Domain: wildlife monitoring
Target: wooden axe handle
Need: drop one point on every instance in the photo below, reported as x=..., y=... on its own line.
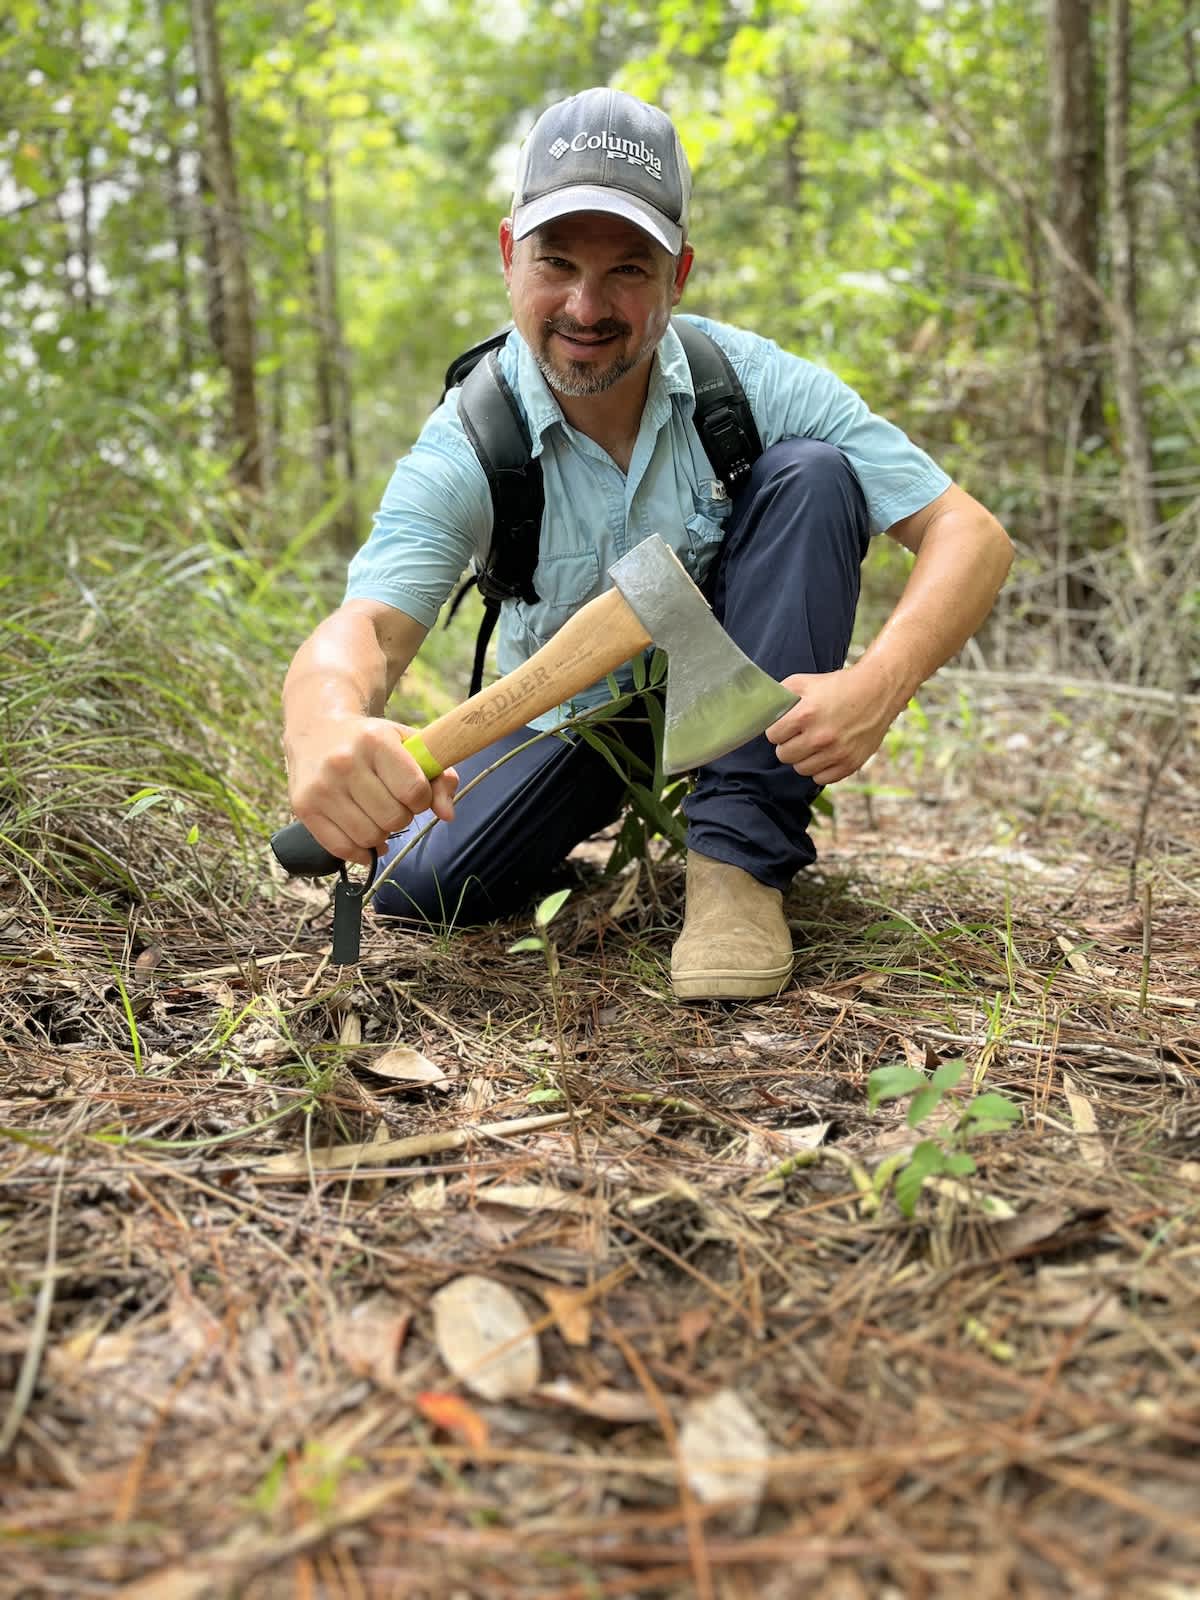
x=600, y=637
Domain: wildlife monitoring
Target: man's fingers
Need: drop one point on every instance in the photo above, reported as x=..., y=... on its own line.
x=398, y=771
x=809, y=748
x=443, y=794
x=339, y=843
x=832, y=774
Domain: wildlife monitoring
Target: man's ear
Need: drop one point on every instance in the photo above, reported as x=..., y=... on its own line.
x=507, y=247
x=682, y=267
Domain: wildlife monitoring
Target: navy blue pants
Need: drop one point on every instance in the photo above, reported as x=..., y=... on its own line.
x=785, y=586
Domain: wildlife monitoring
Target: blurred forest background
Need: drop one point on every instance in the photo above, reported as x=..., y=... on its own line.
x=240, y=245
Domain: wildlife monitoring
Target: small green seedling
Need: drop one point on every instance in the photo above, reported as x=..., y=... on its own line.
x=946, y=1152
x=540, y=939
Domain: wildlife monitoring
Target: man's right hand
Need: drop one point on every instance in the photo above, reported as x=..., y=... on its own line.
x=352, y=783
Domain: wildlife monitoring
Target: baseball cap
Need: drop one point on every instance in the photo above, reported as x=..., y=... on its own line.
x=604, y=151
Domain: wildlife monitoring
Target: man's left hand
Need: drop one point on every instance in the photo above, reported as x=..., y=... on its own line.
x=838, y=725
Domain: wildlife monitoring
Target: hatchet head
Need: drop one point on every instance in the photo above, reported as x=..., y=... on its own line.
x=717, y=699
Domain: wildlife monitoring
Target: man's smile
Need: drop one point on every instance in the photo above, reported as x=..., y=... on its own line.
x=580, y=343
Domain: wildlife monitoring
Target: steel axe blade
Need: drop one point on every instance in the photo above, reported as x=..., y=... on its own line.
x=717, y=699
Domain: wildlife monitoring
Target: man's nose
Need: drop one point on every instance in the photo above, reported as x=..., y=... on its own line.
x=587, y=302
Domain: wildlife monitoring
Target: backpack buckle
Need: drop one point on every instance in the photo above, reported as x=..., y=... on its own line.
x=728, y=437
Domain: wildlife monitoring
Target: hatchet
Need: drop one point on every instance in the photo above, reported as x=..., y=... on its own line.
x=717, y=698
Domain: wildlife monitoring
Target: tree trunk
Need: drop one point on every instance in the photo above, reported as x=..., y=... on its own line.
x=1074, y=203
x=214, y=296
x=234, y=272
x=346, y=527
x=324, y=425
x=84, y=152
x=1138, y=494
x=176, y=205
x=1193, y=82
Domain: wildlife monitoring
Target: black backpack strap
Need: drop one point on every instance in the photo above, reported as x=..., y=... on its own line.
x=492, y=421
x=465, y=363
x=723, y=417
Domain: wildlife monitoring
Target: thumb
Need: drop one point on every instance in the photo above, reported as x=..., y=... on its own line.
x=799, y=682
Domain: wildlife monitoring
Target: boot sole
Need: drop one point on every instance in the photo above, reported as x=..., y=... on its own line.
x=730, y=983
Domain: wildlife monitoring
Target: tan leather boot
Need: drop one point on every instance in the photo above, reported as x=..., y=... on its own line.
x=735, y=943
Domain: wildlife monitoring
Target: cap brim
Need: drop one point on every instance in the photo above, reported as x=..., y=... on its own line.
x=583, y=197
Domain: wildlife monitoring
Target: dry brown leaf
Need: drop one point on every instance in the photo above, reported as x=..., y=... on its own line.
x=1062, y=1300
x=428, y=1196
x=534, y=1197
x=1042, y=1224
x=869, y=981
x=610, y=1405
x=1083, y=1116
x=693, y=1324
x=368, y=1337
x=1076, y=959
x=914, y=1054
x=480, y=1093
x=572, y=1312
x=148, y=960
x=767, y=1147
x=628, y=892
x=724, y=1450
x=350, y=1032
x=403, y=1065
x=268, y=1052
x=485, y=1338
x=452, y=1414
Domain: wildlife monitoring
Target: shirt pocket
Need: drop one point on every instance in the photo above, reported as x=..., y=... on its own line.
x=563, y=583
x=705, y=531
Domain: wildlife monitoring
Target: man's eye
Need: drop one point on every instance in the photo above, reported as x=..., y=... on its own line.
x=631, y=270
x=557, y=263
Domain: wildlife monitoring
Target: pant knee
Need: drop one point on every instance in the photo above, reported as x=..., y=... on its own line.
x=819, y=463
x=815, y=487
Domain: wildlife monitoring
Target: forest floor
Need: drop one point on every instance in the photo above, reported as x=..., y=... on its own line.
x=224, y=1357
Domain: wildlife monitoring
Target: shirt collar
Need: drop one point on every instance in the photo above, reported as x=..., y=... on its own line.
x=670, y=376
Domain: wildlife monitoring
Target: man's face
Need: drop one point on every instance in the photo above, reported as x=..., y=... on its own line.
x=591, y=296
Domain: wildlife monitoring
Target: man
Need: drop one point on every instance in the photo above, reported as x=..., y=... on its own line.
x=595, y=257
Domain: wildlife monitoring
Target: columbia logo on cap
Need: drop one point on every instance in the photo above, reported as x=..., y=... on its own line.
x=617, y=149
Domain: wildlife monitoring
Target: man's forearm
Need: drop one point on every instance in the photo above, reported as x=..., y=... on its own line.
x=962, y=561
x=349, y=666
x=340, y=670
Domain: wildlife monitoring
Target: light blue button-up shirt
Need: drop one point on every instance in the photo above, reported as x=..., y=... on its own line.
x=436, y=514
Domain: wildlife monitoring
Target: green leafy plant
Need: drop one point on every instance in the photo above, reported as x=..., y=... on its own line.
x=655, y=799
x=945, y=1153
x=540, y=939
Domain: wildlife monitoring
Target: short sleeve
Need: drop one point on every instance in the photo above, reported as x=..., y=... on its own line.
x=794, y=399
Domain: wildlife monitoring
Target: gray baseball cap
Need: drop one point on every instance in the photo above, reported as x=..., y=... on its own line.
x=604, y=151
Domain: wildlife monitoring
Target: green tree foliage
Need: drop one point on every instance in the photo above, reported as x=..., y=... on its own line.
x=872, y=188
